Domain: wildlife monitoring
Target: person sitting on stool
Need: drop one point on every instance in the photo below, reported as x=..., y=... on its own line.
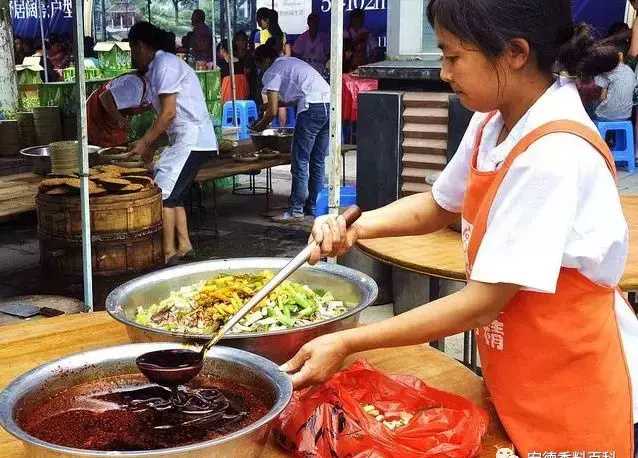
x=293, y=81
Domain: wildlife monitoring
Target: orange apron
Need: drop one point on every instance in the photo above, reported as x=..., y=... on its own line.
x=101, y=130
x=242, y=90
x=553, y=363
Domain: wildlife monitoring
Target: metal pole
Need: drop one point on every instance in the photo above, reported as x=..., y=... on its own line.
x=336, y=69
x=44, y=45
x=231, y=64
x=212, y=23
x=80, y=86
x=103, y=21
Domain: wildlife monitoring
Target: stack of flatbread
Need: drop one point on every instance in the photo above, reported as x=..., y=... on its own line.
x=103, y=180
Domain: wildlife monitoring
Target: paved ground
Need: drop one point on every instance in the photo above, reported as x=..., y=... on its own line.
x=244, y=231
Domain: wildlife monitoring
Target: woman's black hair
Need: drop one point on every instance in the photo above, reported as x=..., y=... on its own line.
x=273, y=26
x=262, y=14
x=619, y=35
x=264, y=53
x=547, y=25
x=153, y=36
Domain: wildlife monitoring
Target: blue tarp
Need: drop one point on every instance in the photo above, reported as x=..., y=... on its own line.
x=57, y=17
x=600, y=14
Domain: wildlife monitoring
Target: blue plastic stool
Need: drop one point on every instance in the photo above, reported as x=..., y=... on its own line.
x=246, y=115
x=291, y=118
x=348, y=197
x=624, y=148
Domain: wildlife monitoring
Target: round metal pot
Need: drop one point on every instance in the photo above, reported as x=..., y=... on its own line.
x=345, y=284
x=39, y=384
x=278, y=139
x=41, y=159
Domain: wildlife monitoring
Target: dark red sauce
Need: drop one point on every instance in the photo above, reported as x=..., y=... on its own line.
x=126, y=413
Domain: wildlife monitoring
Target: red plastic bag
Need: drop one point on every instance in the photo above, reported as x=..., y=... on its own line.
x=329, y=421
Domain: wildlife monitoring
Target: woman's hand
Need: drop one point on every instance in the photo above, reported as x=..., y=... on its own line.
x=332, y=236
x=317, y=360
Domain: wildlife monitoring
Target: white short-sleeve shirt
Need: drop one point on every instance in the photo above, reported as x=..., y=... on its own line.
x=558, y=206
x=129, y=91
x=167, y=74
x=297, y=82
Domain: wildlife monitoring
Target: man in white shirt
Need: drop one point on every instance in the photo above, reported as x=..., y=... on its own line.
x=289, y=80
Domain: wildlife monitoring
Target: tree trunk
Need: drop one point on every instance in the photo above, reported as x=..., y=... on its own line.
x=176, y=6
x=9, y=86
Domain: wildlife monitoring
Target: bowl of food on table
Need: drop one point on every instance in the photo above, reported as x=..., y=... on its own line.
x=189, y=303
x=279, y=139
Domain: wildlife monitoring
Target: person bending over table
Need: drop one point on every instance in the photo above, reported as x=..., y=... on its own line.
x=108, y=109
x=544, y=235
x=289, y=80
x=178, y=99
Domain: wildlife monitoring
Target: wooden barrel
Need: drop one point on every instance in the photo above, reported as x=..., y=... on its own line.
x=69, y=126
x=126, y=233
x=9, y=138
x=48, y=125
x=26, y=129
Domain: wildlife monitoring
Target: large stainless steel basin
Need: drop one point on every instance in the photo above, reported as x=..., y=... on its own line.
x=345, y=284
x=250, y=370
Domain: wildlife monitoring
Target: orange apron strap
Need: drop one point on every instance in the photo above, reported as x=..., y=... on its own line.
x=479, y=137
x=561, y=126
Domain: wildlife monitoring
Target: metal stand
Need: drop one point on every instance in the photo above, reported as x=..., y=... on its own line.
x=252, y=189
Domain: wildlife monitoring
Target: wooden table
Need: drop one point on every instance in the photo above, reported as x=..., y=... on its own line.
x=440, y=254
x=18, y=191
x=17, y=194
x=27, y=345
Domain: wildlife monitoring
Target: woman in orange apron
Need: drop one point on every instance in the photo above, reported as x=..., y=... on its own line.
x=543, y=231
x=109, y=107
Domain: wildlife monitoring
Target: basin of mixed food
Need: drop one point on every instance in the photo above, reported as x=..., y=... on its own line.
x=189, y=303
x=202, y=307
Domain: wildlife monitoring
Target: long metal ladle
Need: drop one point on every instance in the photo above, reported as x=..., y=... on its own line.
x=178, y=366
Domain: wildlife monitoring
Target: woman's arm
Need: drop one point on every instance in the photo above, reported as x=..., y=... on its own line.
x=413, y=215
x=476, y=305
x=168, y=111
x=108, y=103
x=270, y=111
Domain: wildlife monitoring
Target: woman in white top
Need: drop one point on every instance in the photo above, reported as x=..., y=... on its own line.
x=178, y=99
x=543, y=231
x=109, y=107
x=291, y=81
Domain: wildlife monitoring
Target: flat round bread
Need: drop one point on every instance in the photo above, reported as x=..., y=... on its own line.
x=134, y=171
x=133, y=187
x=109, y=181
x=52, y=182
x=137, y=179
x=58, y=191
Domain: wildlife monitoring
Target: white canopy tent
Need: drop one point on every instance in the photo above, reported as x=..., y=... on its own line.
x=334, y=161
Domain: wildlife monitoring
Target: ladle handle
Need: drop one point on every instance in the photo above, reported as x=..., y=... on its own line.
x=351, y=214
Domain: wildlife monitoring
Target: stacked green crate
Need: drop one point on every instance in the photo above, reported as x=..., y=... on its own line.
x=114, y=57
x=28, y=77
x=210, y=81
x=90, y=74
